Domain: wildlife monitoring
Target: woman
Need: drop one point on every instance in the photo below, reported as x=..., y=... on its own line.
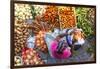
x=59, y=49
x=75, y=38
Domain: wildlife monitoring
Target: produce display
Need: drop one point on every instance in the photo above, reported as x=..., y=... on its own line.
x=67, y=17
x=41, y=32
x=31, y=57
x=51, y=16
x=85, y=21
x=23, y=11
x=20, y=36
x=40, y=42
x=60, y=17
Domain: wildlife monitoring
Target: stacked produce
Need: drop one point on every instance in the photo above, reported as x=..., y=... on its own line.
x=91, y=15
x=91, y=18
x=67, y=17
x=31, y=57
x=63, y=17
x=21, y=25
x=23, y=11
x=20, y=36
x=84, y=20
x=51, y=16
x=39, y=9
x=40, y=42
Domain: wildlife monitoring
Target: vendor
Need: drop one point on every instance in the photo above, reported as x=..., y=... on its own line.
x=75, y=38
x=59, y=48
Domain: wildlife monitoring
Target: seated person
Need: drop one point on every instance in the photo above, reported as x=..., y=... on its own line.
x=59, y=49
x=75, y=38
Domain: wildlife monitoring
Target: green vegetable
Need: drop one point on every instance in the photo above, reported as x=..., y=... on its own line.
x=33, y=12
x=83, y=21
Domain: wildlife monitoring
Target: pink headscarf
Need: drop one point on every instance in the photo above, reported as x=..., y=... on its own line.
x=66, y=53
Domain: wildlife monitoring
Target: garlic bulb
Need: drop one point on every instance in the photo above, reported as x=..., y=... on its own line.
x=23, y=11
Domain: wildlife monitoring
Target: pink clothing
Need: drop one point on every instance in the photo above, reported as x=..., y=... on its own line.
x=66, y=53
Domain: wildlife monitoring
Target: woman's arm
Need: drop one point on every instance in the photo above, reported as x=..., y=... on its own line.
x=61, y=36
